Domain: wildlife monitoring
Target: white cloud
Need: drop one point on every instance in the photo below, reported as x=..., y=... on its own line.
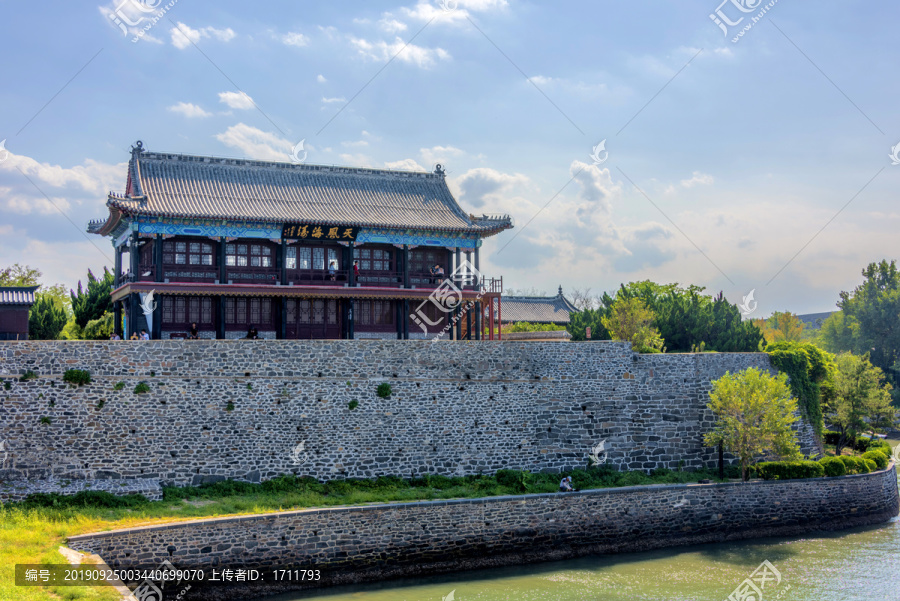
x=321, y=78
x=482, y=186
x=698, y=178
x=383, y=51
x=188, y=110
x=405, y=165
x=439, y=154
x=391, y=25
x=258, y=144
x=93, y=176
x=295, y=39
x=356, y=144
x=424, y=10
x=236, y=100
x=25, y=205
x=357, y=160
x=183, y=35
x=333, y=100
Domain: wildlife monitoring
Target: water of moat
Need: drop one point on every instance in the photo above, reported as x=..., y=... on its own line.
x=857, y=564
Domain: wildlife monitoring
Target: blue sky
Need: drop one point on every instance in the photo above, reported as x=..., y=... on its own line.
x=725, y=159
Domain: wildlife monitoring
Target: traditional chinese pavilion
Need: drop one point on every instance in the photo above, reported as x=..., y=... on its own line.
x=231, y=244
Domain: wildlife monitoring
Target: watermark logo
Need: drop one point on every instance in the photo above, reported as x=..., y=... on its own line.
x=598, y=454
x=3, y=453
x=447, y=297
x=449, y=6
x=295, y=152
x=4, y=153
x=299, y=456
x=148, y=304
x=895, y=153
x=596, y=153
x=450, y=597
x=896, y=454
x=149, y=591
x=139, y=14
x=764, y=579
x=748, y=305
x=739, y=9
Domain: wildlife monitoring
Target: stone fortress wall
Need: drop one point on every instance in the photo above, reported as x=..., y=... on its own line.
x=253, y=410
x=352, y=544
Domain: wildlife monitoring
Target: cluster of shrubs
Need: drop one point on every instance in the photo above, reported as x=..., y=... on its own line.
x=860, y=444
x=876, y=458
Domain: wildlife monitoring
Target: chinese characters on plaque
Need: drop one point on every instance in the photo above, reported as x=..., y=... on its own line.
x=319, y=232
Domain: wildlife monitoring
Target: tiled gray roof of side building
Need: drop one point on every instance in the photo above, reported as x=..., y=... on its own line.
x=175, y=185
x=537, y=309
x=17, y=295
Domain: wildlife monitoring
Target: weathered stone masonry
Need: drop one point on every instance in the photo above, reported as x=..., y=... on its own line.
x=241, y=409
x=376, y=542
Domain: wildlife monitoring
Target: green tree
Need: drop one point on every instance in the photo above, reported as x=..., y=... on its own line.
x=20, y=275
x=631, y=320
x=861, y=399
x=92, y=303
x=785, y=326
x=100, y=328
x=685, y=318
x=869, y=321
x=47, y=318
x=754, y=412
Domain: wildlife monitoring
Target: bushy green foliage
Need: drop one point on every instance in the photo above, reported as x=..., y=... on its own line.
x=353, y=404
x=383, y=390
x=811, y=372
x=878, y=443
x=78, y=377
x=857, y=465
x=100, y=328
x=879, y=458
x=789, y=470
x=754, y=413
x=684, y=317
x=141, y=388
x=630, y=319
x=47, y=318
x=93, y=302
x=866, y=323
x=119, y=386
x=46, y=420
x=229, y=406
x=861, y=399
x=524, y=326
x=85, y=498
x=28, y=375
x=833, y=466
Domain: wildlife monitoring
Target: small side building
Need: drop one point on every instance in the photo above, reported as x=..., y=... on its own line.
x=15, y=305
x=555, y=310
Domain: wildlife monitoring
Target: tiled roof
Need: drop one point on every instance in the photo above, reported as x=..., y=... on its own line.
x=17, y=295
x=175, y=185
x=537, y=309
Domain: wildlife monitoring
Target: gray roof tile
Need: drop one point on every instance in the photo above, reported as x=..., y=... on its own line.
x=537, y=309
x=17, y=295
x=176, y=185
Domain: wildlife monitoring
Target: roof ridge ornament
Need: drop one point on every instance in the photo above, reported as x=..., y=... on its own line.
x=138, y=147
x=439, y=170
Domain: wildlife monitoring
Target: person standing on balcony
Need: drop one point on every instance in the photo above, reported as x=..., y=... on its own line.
x=355, y=269
x=439, y=272
x=332, y=271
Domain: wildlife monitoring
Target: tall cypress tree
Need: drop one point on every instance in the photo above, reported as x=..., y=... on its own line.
x=92, y=303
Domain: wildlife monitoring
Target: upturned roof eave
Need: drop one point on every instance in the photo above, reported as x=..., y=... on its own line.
x=116, y=204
